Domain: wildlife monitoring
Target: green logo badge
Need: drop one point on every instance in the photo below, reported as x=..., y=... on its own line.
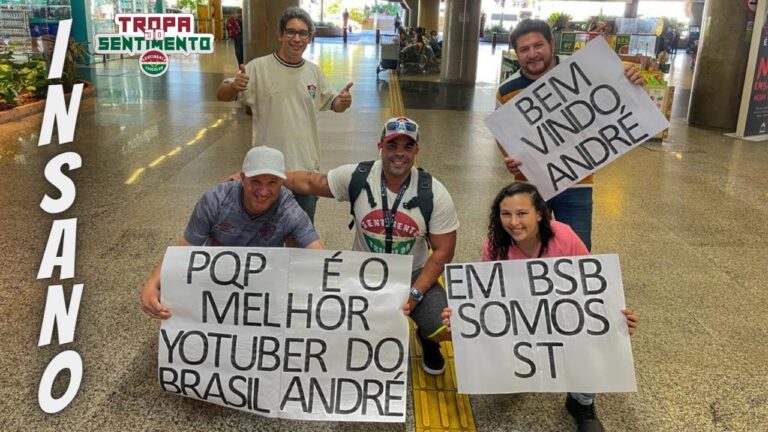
x=153, y=63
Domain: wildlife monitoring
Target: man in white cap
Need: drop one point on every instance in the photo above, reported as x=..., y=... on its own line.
x=401, y=210
x=255, y=211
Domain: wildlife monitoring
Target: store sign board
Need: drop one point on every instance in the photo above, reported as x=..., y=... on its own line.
x=757, y=111
x=568, y=43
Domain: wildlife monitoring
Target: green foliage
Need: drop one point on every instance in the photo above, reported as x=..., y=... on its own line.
x=334, y=8
x=495, y=28
x=323, y=24
x=601, y=17
x=32, y=78
x=20, y=82
x=8, y=84
x=190, y=5
x=357, y=14
x=76, y=53
x=671, y=23
x=558, y=20
x=387, y=9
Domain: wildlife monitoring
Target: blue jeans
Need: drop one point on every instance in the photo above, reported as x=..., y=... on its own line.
x=574, y=207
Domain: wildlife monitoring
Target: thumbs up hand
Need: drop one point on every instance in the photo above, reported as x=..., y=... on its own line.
x=344, y=99
x=241, y=80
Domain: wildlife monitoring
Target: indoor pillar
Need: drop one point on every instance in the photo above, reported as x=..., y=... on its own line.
x=461, y=37
x=720, y=66
x=429, y=14
x=261, y=26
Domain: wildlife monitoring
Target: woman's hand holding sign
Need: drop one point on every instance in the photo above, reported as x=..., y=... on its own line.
x=632, y=320
x=446, y=315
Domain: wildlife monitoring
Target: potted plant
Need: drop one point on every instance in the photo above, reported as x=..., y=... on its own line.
x=27, y=83
x=76, y=53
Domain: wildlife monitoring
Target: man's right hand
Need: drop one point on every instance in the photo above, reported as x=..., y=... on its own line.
x=240, y=82
x=513, y=165
x=150, y=300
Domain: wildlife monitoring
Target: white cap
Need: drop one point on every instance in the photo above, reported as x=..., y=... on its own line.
x=264, y=160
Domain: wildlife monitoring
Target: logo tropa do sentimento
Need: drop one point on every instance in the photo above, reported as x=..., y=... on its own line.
x=155, y=37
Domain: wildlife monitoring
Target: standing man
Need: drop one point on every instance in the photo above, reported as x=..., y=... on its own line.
x=285, y=93
x=532, y=41
x=235, y=30
x=675, y=42
x=255, y=211
x=345, y=19
x=399, y=209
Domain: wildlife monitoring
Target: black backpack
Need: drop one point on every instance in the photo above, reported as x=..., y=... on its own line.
x=423, y=198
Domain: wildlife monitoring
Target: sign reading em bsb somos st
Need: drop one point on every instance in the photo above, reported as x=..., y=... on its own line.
x=154, y=37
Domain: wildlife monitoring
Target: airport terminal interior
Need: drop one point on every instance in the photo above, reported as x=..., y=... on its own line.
x=686, y=215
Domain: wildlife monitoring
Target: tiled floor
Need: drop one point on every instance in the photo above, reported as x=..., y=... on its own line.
x=688, y=218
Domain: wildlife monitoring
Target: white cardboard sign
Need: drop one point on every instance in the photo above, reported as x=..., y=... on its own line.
x=540, y=325
x=289, y=333
x=575, y=119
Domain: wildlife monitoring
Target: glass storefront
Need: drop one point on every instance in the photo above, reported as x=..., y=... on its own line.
x=24, y=24
x=103, y=12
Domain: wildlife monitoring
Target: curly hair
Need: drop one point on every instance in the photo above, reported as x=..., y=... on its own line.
x=499, y=240
x=297, y=13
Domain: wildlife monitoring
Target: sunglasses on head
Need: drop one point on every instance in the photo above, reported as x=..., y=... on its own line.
x=401, y=124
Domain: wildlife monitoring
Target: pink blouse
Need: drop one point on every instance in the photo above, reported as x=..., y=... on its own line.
x=565, y=242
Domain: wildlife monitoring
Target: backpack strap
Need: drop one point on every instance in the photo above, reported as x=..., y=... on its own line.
x=424, y=198
x=357, y=184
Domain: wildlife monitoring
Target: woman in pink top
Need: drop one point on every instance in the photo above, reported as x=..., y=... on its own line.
x=520, y=227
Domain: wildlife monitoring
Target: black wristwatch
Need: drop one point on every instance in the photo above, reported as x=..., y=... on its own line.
x=417, y=295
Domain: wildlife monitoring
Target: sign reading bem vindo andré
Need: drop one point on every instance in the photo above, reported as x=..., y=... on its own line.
x=154, y=37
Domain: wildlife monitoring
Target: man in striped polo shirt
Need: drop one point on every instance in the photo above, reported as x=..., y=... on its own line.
x=532, y=41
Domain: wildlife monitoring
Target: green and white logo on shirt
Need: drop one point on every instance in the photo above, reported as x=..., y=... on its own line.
x=403, y=235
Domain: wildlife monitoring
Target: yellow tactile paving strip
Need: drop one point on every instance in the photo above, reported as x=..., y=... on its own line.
x=396, y=106
x=437, y=405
